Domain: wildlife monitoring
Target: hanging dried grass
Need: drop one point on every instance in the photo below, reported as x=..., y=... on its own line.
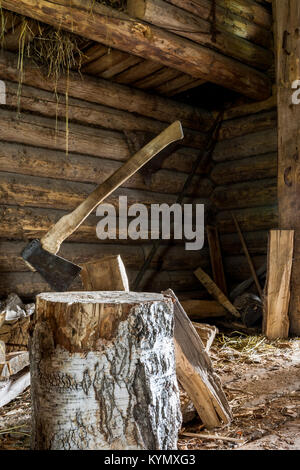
x=55, y=51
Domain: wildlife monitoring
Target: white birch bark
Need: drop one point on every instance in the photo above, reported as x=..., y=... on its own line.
x=103, y=372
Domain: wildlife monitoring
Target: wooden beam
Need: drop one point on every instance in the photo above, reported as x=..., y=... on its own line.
x=231, y=16
x=277, y=298
x=287, y=20
x=214, y=290
x=191, y=26
x=115, y=29
x=104, y=92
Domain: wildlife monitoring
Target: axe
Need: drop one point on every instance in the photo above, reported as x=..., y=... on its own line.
x=41, y=254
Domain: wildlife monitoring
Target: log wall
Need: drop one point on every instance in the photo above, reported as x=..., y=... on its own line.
x=40, y=182
x=245, y=175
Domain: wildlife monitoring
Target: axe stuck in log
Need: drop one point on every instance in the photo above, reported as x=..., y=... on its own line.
x=41, y=254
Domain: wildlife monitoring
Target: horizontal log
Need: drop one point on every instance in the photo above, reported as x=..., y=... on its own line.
x=229, y=21
x=40, y=132
x=250, y=10
x=16, y=158
x=250, y=219
x=237, y=268
x=54, y=106
x=245, y=146
x=243, y=195
x=194, y=27
x=24, y=223
x=107, y=93
x=29, y=284
x=253, y=168
x=248, y=125
x=133, y=256
x=199, y=309
x=113, y=28
x=257, y=243
x=59, y=194
x=251, y=108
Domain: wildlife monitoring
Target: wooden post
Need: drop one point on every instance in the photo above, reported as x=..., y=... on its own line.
x=103, y=372
x=287, y=20
x=280, y=260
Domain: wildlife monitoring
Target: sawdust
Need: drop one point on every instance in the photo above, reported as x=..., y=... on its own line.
x=263, y=391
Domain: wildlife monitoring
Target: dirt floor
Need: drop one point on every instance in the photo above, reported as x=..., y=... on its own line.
x=262, y=383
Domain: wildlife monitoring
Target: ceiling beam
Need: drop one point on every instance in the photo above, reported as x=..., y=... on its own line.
x=113, y=28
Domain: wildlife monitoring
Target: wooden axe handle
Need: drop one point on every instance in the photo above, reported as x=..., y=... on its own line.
x=69, y=223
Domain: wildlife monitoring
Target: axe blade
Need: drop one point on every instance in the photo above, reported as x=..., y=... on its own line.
x=57, y=271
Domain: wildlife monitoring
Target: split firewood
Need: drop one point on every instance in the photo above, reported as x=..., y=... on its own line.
x=195, y=371
x=214, y=290
x=13, y=387
x=207, y=334
x=2, y=351
x=107, y=274
x=14, y=363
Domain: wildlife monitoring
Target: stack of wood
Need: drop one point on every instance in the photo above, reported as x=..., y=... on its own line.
x=14, y=357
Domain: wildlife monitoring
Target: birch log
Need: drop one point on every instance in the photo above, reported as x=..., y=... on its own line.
x=103, y=372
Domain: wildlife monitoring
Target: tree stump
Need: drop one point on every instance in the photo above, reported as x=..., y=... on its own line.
x=103, y=372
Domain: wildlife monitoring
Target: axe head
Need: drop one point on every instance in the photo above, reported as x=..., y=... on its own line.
x=57, y=271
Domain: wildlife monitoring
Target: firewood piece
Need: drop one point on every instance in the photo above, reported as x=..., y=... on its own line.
x=17, y=361
x=199, y=309
x=110, y=27
x=12, y=388
x=277, y=298
x=2, y=351
x=107, y=274
x=216, y=258
x=103, y=372
x=195, y=371
x=207, y=334
x=214, y=290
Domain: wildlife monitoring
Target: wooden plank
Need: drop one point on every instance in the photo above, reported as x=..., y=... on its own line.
x=214, y=290
x=199, y=30
x=216, y=257
x=110, y=27
x=107, y=93
x=138, y=72
x=195, y=372
x=287, y=17
x=246, y=252
x=157, y=78
x=277, y=297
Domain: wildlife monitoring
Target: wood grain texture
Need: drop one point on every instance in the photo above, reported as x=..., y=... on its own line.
x=195, y=372
x=277, y=297
x=112, y=28
x=287, y=17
